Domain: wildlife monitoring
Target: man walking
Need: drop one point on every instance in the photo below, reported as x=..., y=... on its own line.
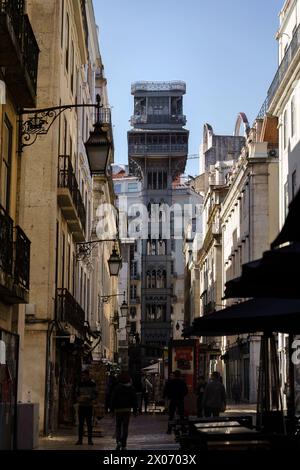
x=146, y=390
x=123, y=400
x=175, y=390
x=86, y=396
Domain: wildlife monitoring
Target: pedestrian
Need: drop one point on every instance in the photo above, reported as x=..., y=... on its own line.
x=147, y=388
x=111, y=383
x=175, y=390
x=200, y=392
x=214, y=396
x=236, y=391
x=123, y=401
x=86, y=396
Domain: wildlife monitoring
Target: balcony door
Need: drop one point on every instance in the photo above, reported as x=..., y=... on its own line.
x=6, y=159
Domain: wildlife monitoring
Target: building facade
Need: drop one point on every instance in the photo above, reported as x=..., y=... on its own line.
x=248, y=224
x=67, y=322
x=18, y=81
x=157, y=151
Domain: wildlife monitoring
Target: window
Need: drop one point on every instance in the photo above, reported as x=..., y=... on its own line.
x=6, y=164
x=133, y=269
x=72, y=67
x=133, y=312
x=284, y=129
x=62, y=23
x=133, y=291
x=157, y=179
x=294, y=184
x=118, y=188
x=133, y=327
x=293, y=116
x=132, y=187
x=67, y=42
x=156, y=312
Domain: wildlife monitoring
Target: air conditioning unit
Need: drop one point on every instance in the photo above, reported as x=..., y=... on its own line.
x=30, y=309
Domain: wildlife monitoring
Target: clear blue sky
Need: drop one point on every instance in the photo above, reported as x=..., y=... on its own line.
x=225, y=51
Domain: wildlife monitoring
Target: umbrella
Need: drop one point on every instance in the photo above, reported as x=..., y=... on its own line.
x=255, y=315
x=290, y=232
x=276, y=274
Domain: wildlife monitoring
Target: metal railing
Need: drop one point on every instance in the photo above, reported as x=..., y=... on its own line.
x=157, y=148
x=68, y=309
x=6, y=241
x=159, y=119
x=24, y=34
x=289, y=55
x=15, y=10
x=22, y=258
x=30, y=50
x=67, y=179
x=14, y=250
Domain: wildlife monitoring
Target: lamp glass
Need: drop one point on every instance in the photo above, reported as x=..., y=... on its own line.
x=97, y=149
x=114, y=263
x=124, y=309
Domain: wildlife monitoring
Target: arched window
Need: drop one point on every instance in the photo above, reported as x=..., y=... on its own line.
x=162, y=247
x=153, y=282
x=148, y=280
x=164, y=279
x=159, y=284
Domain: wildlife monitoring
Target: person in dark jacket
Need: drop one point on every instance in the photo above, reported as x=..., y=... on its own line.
x=214, y=397
x=86, y=396
x=123, y=400
x=175, y=390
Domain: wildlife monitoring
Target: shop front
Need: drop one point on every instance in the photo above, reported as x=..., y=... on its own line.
x=9, y=351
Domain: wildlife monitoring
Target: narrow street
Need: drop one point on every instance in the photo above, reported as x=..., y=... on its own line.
x=146, y=432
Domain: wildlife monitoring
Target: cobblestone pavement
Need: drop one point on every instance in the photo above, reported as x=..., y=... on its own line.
x=146, y=432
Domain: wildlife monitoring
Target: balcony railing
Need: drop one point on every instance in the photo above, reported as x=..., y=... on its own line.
x=19, y=52
x=288, y=57
x=15, y=10
x=14, y=258
x=159, y=119
x=22, y=258
x=68, y=310
x=6, y=241
x=67, y=179
x=30, y=51
x=157, y=148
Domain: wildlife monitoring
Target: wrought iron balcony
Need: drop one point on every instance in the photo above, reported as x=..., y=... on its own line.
x=70, y=199
x=69, y=311
x=142, y=149
x=19, y=52
x=22, y=258
x=6, y=241
x=14, y=261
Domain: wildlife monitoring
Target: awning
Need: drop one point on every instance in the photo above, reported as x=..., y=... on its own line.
x=152, y=369
x=276, y=274
x=290, y=232
x=265, y=315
